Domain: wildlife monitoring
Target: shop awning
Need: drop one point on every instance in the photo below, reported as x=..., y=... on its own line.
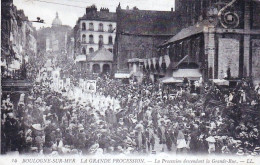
x=168, y=80
x=80, y=58
x=122, y=75
x=192, y=74
x=221, y=82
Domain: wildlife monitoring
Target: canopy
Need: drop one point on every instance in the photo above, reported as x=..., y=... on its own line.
x=122, y=75
x=193, y=74
x=221, y=82
x=80, y=58
x=168, y=80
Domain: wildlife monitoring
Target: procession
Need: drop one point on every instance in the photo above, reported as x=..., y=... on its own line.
x=132, y=119
x=138, y=90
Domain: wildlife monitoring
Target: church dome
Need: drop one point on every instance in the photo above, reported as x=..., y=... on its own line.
x=56, y=21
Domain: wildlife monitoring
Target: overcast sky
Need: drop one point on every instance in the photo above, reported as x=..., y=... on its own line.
x=46, y=9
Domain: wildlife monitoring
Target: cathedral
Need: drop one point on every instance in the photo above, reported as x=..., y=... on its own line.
x=53, y=40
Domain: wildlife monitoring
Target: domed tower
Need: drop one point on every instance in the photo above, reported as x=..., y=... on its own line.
x=56, y=21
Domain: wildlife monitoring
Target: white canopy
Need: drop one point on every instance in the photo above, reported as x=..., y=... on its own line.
x=221, y=82
x=168, y=80
x=80, y=58
x=193, y=74
x=122, y=75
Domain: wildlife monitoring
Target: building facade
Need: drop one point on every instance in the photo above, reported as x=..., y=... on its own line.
x=139, y=32
x=220, y=38
x=94, y=31
x=18, y=46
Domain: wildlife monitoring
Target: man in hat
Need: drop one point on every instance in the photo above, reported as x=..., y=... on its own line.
x=11, y=130
x=150, y=137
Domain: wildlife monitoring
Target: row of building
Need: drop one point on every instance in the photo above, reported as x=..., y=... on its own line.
x=18, y=44
x=208, y=39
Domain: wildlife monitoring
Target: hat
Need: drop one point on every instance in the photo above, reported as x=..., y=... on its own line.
x=34, y=148
x=37, y=127
x=257, y=149
x=11, y=115
x=132, y=134
x=254, y=153
x=240, y=152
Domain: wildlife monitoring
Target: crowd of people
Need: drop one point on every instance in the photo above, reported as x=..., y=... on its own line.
x=132, y=118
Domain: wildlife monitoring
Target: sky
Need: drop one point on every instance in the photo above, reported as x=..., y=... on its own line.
x=70, y=10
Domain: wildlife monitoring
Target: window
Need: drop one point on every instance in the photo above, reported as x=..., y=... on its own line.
x=110, y=40
x=91, y=50
x=83, y=26
x=100, y=42
x=83, y=38
x=100, y=27
x=110, y=28
x=91, y=26
x=84, y=50
x=91, y=39
x=100, y=38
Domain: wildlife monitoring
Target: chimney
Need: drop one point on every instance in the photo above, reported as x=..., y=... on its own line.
x=172, y=9
x=92, y=9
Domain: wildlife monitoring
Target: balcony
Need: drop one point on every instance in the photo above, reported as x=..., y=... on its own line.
x=91, y=42
x=91, y=29
x=15, y=81
x=110, y=30
x=100, y=30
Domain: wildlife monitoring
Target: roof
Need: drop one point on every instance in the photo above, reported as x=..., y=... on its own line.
x=146, y=22
x=100, y=16
x=56, y=21
x=186, y=32
x=101, y=55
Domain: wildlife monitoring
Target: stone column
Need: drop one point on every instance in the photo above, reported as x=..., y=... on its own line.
x=246, y=40
x=91, y=67
x=210, y=50
x=101, y=67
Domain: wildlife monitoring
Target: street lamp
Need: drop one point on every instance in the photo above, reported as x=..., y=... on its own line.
x=39, y=20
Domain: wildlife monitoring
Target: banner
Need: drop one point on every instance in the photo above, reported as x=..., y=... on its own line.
x=61, y=84
x=81, y=83
x=67, y=82
x=91, y=86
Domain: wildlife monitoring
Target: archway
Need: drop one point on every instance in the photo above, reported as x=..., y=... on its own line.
x=106, y=68
x=96, y=68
